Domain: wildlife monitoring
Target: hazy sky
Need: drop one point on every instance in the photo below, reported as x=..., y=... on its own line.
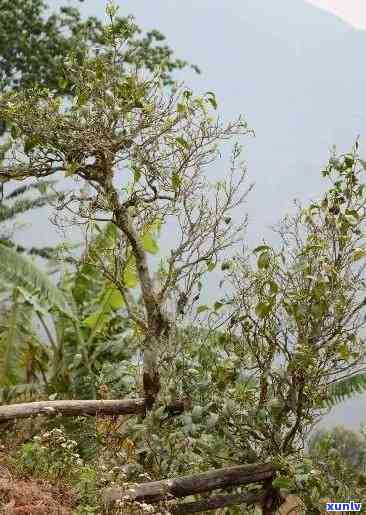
x=280, y=63
x=353, y=11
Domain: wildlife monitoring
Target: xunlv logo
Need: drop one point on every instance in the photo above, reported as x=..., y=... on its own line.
x=343, y=506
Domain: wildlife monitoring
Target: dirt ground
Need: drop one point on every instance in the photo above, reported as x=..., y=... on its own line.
x=20, y=496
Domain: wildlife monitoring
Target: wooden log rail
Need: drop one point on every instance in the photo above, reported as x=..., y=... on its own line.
x=169, y=489
x=76, y=408
x=219, y=501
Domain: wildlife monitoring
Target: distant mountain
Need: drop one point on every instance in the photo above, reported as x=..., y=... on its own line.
x=296, y=72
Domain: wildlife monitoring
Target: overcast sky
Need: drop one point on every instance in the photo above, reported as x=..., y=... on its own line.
x=352, y=11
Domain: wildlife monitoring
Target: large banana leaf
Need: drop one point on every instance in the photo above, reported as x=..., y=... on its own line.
x=12, y=340
x=18, y=271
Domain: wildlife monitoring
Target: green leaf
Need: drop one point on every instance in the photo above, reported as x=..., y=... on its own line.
x=115, y=298
x=218, y=306
x=130, y=277
x=282, y=483
x=200, y=102
x=30, y=144
x=136, y=175
x=149, y=244
x=344, y=351
x=349, y=161
x=176, y=181
x=358, y=254
x=82, y=99
x=201, y=309
x=261, y=248
x=14, y=333
x=212, y=99
x=262, y=309
x=92, y=320
x=181, y=108
x=273, y=286
x=71, y=168
x=17, y=270
x=345, y=389
x=353, y=213
x=210, y=266
x=62, y=84
x=197, y=413
x=182, y=142
x=111, y=299
x=351, y=219
x=318, y=309
x=14, y=132
x=148, y=236
x=264, y=260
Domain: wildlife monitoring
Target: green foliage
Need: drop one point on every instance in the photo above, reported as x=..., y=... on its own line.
x=255, y=373
x=21, y=205
x=349, y=445
x=35, y=286
x=19, y=202
x=16, y=340
x=84, y=326
x=339, y=457
x=34, y=44
x=51, y=455
x=111, y=299
x=346, y=388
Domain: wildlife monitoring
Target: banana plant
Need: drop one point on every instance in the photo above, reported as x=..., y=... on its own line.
x=81, y=320
x=26, y=292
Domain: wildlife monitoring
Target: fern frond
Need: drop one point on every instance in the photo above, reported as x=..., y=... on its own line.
x=40, y=186
x=50, y=253
x=345, y=389
x=18, y=271
x=23, y=205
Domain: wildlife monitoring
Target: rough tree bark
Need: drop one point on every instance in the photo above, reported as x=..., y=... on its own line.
x=220, y=501
x=157, y=324
x=82, y=407
x=167, y=489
